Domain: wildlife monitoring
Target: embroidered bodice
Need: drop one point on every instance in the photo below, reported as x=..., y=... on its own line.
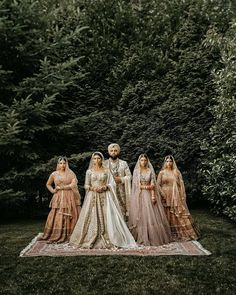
x=96, y=178
x=146, y=177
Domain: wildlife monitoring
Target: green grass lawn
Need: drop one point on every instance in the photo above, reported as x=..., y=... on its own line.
x=213, y=274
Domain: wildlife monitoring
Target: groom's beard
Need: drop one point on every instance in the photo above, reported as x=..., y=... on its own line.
x=114, y=157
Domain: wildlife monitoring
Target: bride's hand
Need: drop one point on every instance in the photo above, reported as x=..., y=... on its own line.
x=154, y=200
x=99, y=189
x=104, y=188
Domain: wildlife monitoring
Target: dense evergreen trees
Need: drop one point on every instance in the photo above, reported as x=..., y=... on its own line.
x=77, y=75
x=219, y=161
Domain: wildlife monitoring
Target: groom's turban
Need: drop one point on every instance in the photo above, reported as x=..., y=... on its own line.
x=114, y=145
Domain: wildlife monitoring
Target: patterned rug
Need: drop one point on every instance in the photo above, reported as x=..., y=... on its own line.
x=41, y=248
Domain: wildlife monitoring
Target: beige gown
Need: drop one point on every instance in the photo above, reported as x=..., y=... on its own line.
x=101, y=224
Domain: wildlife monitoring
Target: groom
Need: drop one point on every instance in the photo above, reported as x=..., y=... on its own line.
x=122, y=176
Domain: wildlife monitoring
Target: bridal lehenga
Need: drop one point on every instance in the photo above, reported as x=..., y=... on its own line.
x=101, y=224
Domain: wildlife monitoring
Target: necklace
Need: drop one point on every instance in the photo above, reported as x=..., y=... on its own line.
x=114, y=167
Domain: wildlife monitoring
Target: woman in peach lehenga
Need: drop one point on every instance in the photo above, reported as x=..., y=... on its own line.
x=147, y=219
x=101, y=224
x=173, y=195
x=65, y=203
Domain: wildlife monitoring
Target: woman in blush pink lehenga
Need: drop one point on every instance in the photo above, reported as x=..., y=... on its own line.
x=65, y=204
x=171, y=185
x=147, y=219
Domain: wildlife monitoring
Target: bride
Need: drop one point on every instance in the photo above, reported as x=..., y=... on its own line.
x=101, y=224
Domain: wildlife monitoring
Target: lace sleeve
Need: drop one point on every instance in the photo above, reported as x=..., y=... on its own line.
x=152, y=182
x=50, y=182
x=87, y=180
x=159, y=186
x=159, y=179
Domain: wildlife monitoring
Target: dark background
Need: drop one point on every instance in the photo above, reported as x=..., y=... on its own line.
x=154, y=76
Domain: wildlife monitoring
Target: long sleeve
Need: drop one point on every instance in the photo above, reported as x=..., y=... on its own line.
x=50, y=182
x=152, y=181
x=87, y=180
x=159, y=185
x=126, y=180
x=128, y=175
x=159, y=179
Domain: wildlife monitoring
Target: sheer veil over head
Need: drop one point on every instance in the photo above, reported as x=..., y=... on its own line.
x=136, y=176
x=91, y=163
x=137, y=170
x=63, y=158
x=173, y=161
x=134, y=201
x=69, y=174
x=178, y=193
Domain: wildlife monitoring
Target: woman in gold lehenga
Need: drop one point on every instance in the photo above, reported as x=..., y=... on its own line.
x=173, y=194
x=101, y=224
x=65, y=203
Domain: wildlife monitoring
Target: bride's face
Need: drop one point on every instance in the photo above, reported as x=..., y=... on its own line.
x=169, y=163
x=97, y=160
x=143, y=162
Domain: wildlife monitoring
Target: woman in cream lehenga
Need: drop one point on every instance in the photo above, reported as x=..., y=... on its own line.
x=172, y=189
x=147, y=219
x=101, y=224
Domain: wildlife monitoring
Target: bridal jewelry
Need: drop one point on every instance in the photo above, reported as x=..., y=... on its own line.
x=114, y=167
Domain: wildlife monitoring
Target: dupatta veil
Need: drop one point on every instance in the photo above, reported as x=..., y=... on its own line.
x=136, y=190
x=69, y=174
x=178, y=199
x=117, y=229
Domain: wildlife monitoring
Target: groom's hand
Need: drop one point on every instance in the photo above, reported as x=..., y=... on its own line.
x=117, y=179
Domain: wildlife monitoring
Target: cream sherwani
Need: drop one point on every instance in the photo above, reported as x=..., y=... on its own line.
x=123, y=190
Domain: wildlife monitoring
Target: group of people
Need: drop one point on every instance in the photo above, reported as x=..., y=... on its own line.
x=115, y=214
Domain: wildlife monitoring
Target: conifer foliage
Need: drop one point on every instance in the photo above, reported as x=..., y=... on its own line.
x=77, y=75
